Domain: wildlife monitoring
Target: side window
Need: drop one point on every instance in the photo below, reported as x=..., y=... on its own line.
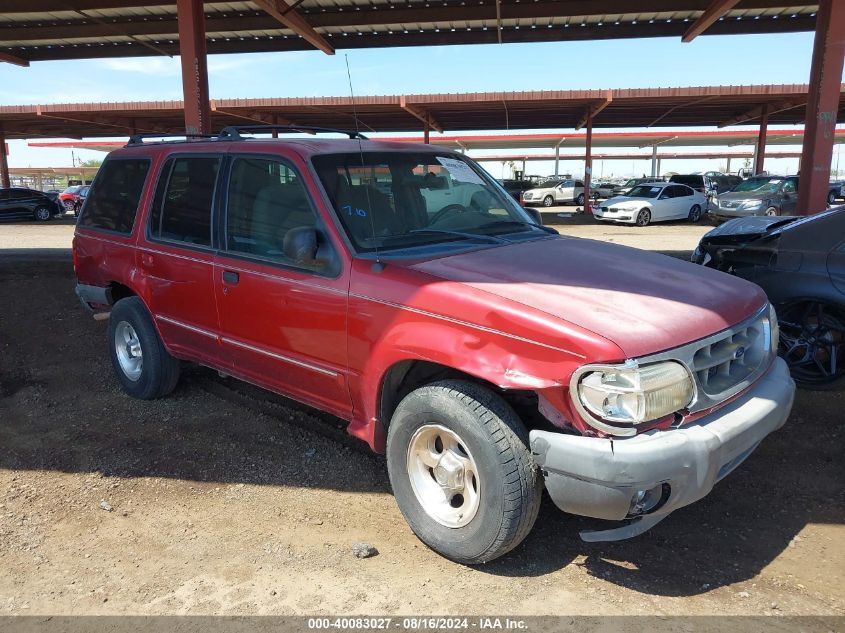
x=578, y=183
x=184, y=196
x=679, y=191
x=789, y=186
x=266, y=200
x=113, y=201
x=667, y=193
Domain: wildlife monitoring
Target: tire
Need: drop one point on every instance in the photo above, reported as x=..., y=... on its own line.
x=643, y=217
x=42, y=213
x=831, y=197
x=695, y=214
x=580, y=200
x=548, y=201
x=142, y=365
x=772, y=211
x=477, y=429
x=68, y=205
x=811, y=336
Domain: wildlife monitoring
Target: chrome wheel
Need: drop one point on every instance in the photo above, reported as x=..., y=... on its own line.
x=548, y=201
x=443, y=475
x=771, y=212
x=643, y=217
x=42, y=214
x=127, y=347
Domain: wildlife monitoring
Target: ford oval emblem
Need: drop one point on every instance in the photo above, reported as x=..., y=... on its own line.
x=739, y=353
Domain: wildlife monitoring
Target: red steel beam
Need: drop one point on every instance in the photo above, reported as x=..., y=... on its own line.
x=12, y=59
x=760, y=154
x=711, y=15
x=588, y=165
x=822, y=106
x=289, y=17
x=5, y=181
x=194, y=66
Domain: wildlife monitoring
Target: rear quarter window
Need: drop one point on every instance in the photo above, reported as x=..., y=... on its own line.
x=115, y=195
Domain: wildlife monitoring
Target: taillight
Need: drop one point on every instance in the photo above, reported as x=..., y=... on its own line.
x=73, y=254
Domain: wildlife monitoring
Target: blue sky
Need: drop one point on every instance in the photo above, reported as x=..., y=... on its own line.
x=661, y=62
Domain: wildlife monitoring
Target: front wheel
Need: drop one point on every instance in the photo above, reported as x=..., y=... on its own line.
x=831, y=197
x=580, y=200
x=462, y=471
x=42, y=213
x=548, y=201
x=695, y=213
x=145, y=369
x=812, y=334
x=771, y=211
x=643, y=217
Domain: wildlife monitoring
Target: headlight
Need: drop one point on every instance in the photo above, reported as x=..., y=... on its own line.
x=751, y=204
x=774, y=329
x=628, y=395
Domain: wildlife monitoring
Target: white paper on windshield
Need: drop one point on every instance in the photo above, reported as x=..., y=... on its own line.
x=460, y=171
x=654, y=189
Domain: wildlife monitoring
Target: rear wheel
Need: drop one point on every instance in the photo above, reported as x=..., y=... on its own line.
x=462, y=472
x=42, y=213
x=548, y=201
x=812, y=342
x=695, y=213
x=643, y=217
x=143, y=366
x=580, y=200
x=831, y=197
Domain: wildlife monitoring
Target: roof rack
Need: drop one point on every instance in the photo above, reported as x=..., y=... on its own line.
x=233, y=132
x=138, y=139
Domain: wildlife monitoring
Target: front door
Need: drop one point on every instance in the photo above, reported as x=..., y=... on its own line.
x=282, y=315
x=789, y=197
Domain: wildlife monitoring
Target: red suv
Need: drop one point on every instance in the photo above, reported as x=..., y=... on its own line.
x=487, y=355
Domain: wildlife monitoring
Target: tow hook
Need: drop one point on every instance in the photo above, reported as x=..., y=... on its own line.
x=102, y=316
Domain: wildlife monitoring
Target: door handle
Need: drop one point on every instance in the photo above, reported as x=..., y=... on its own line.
x=147, y=260
x=231, y=277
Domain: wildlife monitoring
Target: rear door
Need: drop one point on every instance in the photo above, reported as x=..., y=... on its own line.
x=282, y=315
x=177, y=257
x=789, y=197
x=683, y=200
x=6, y=208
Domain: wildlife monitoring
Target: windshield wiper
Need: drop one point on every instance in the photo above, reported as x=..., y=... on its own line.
x=547, y=229
x=469, y=236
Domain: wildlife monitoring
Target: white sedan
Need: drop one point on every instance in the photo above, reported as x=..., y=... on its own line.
x=653, y=202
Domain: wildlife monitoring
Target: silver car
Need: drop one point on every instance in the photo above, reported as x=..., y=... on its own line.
x=759, y=195
x=552, y=192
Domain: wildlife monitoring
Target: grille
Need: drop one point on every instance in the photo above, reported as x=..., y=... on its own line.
x=725, y=363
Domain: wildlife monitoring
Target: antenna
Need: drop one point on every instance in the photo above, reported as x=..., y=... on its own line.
x=378, y=266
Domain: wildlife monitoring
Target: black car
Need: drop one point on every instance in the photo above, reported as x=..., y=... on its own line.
x=20, y=203
x=623, y=188
x=800, y=263
x=516, y=187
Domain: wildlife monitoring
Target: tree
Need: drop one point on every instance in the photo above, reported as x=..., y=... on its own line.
x=92, y=162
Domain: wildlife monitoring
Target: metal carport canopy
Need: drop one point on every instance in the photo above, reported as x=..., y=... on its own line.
x=647, y=107
x=39, y=30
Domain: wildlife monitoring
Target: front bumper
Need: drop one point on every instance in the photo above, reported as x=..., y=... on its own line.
x=598, y=477
x=623, y=215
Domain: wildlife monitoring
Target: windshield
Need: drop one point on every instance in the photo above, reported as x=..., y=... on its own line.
x=72, y=189
x=549, y=183
x=759, y=185
x=644, y=191
x=395, y=200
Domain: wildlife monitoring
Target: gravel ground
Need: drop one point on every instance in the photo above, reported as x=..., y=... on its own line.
x=222, y=500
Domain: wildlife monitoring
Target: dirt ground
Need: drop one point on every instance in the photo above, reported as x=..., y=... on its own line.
x=222, y=500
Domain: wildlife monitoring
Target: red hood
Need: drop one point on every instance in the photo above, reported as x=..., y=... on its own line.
x=642, y=301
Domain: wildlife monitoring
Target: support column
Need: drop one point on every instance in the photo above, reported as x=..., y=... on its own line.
x=728, y=167
x=654, y=161
x=822, y=106
x=194, y=66
x=557, y=160
x=5, y=181
x=426, y=131
x=588, y=165
x=760, y=152
x=659, y=160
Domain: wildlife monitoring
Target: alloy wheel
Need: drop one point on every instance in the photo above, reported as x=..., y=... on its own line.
x=812, y=341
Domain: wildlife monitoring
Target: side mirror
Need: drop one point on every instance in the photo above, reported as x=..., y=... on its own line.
x=300, y=246
x=535, y=215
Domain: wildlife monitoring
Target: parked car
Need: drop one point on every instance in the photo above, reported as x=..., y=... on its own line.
x=700, y=182
x=79, y=201
x=19, y=202
x=625, y=187
x=760, y=195
x=800, y=263
x=484, y=354
x=70, y=197
x=602, y=189
x=726, y=182
x=653, y=202
x=517, y=187
x=554, y=192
